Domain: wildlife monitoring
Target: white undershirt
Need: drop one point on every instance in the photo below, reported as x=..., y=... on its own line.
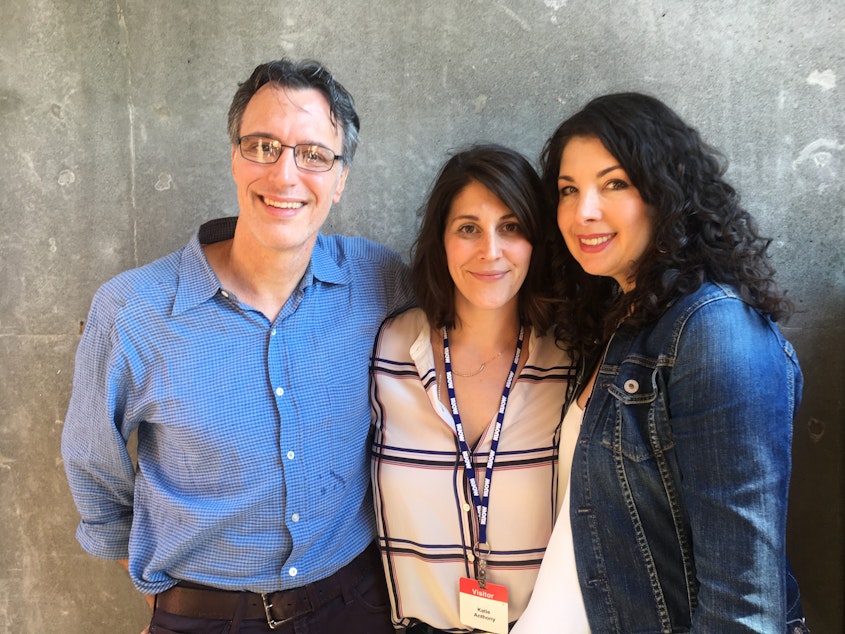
x=556, y=605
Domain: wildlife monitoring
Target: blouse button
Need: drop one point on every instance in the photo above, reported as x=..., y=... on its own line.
x=631, y=386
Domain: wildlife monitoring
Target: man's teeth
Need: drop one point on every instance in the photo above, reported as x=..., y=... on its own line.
x=283, y=205
x=591, y=242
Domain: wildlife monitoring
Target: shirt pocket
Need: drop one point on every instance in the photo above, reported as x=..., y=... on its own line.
x=345, y=422
x=637, y=426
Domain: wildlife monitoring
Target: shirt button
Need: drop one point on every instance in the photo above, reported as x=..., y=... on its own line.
x=292, y=572
x=470, y=557
x=273, y=332
x=467, y=507
x=631, y=386
x=224, y=293
x=280, y=391
x=291, y=455
x=294, y=517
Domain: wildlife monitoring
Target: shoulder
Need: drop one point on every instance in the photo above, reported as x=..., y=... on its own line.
x=716, y=319
x=378, y=275
x=690, y=303
x=711, y=304
x=404, y=327
x=129, y=302
x=706, y=301
x=712, y=315
x=154, y=283
x=357, y=250
x=545, y=350
x=403, y=339
x=376, y=271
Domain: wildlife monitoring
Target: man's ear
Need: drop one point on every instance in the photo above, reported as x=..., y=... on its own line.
x=341, y=184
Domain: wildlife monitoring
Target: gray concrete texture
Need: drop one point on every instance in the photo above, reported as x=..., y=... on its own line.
x=113, y=149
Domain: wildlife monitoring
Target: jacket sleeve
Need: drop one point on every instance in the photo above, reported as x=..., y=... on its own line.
x=731, y=398
x=100, y=471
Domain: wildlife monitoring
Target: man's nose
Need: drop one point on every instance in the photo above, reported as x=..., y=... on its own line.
x=285, y=168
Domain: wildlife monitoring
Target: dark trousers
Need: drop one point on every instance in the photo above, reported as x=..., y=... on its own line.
x=360, y=607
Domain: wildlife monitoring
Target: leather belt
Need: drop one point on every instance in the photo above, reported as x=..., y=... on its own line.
x=202, y=602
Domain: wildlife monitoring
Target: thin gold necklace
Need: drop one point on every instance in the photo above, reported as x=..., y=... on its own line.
x=480, y=368
x=478, y=371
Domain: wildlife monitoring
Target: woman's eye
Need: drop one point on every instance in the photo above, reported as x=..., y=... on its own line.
x=617, y=184
x=512, y=227
x=466, y=229
x=567, y=190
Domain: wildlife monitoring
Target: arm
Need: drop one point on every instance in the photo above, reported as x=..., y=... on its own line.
x=100, y=471
x=731, y=403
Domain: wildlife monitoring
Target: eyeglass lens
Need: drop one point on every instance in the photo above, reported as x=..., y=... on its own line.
x=306, y=156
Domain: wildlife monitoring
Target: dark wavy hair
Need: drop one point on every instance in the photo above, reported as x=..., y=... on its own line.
x=511, y=178
x=301, y=75
x=700, y=229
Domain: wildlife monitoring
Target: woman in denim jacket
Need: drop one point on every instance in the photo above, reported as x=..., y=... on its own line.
x=677, y=494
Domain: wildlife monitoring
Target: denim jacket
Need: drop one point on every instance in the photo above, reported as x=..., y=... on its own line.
x=680, y=476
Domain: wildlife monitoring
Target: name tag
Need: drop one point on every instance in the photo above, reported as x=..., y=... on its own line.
x=484, y=609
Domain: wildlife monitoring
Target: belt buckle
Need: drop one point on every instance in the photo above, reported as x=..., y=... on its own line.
x=268, y=607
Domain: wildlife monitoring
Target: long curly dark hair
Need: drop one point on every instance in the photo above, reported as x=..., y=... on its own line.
x=701, y=231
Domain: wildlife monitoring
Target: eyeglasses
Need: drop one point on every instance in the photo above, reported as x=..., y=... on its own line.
x=307, y=156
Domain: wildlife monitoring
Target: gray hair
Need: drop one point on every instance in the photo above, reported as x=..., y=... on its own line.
x=306, y=74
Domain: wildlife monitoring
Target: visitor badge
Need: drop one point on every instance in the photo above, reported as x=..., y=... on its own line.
x=486, y=608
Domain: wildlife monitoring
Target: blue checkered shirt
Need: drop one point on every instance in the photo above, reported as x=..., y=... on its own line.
x=252, y=461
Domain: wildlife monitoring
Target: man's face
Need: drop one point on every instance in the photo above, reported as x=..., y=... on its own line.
x=282, y=207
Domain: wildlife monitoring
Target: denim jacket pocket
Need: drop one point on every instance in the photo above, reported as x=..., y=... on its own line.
x=640, y=427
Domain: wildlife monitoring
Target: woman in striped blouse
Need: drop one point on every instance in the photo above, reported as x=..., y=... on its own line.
x=468, y=386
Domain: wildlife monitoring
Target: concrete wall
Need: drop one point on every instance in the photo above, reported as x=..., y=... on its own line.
x=113, y=149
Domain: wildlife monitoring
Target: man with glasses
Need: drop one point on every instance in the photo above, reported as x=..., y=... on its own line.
x=242, y=362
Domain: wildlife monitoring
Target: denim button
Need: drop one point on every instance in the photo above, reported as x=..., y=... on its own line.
x=631, y=386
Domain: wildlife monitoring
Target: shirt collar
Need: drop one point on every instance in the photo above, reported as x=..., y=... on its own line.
x=324, y=264
x=198, y=282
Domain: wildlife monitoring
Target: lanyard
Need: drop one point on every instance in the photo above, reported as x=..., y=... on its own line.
x=481, y=500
